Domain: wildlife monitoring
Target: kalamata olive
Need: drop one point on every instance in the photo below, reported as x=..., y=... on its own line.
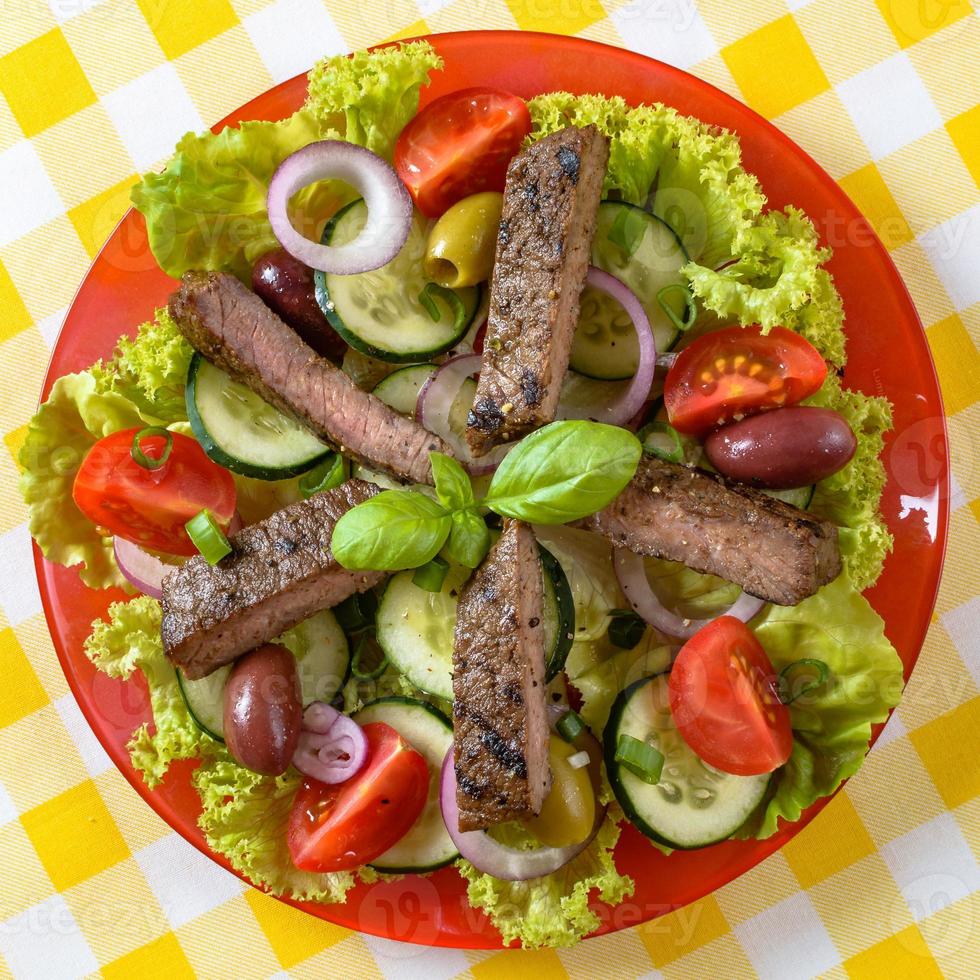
x=263, y=710
x=782, y=449
x=286, y=285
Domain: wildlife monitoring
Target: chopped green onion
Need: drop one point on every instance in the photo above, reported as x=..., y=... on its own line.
x=431, y=575
x=570, y=726
x=207, y=537
x=627, y=230
x=626, y=630
x=327, y=475
x=690, y=306
x=663, y=441
x=433, y=291
x=807, y=664
x=640, y=758
x=151, y=462
x=367, y=645
x=429, y=304
x=580, y=760
x=357, y=612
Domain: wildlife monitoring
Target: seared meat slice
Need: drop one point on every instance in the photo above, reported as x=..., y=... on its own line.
x=499, y=720
x=769, y=548
x=280, y=572
x=235, y=330
x=543, y=246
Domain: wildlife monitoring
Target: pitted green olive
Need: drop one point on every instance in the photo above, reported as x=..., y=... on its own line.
x=462, y=242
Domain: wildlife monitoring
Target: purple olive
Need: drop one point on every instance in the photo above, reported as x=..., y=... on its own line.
x=263, y=711
x=286, y=285
x=782, y=449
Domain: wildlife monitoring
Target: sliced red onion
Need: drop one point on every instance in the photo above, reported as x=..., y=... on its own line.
x=332, y=747
x=627, y=405
x=435, y=403
x=141, y=569
x=388, y=202
x=633, y=580
x=494, y=858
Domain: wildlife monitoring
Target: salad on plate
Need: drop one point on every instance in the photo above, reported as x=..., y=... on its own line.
x=487, y=483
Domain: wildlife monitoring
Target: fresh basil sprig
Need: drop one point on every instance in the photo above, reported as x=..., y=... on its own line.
x=559, y=474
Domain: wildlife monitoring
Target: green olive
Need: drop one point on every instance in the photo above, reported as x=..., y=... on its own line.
x=462, y=242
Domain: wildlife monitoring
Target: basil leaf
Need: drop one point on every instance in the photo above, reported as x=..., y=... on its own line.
x=469, y=539
x=396, y=529
x=564, y=472
x=453, y=487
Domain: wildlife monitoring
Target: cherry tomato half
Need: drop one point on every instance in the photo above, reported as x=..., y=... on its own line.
x=460, y=144
x=724, y=703
x=737, y=371
x=151, y=506
x=339, y=827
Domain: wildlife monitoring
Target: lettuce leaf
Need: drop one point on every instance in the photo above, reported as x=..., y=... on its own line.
x=831, y=724
x=130, y=640
x=77, y=413
x=821, y=319
x=370, y=96
x=554, y=910
x=244, y=818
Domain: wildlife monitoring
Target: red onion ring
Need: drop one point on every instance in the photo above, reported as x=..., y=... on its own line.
x=494, y=858
x=633, y=580
x=620, y=411
x=435, y=402
x=388, y=202
x=331, y=747
x=141, y=569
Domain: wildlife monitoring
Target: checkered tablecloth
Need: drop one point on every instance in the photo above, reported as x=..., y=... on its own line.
x=885, y=882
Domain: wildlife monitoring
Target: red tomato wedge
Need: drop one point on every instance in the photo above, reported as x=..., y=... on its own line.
x=340, y=827
x=724, y=702
x=731, y=373
x=460, y=144
x=151, y=506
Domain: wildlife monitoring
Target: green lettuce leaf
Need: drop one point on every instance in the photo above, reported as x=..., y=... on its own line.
x=831, y=724
x=370, y=95
x=821, y=319
x=554, y=910
x=130, y=640
x=77, y=413
x=244, y=818
x=851, y=497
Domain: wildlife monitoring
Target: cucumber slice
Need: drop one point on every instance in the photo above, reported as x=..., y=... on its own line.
x=798, y=497
x=322, y=662
x=693, y=805
x=427, y=846
x=379, y=312
x=415, y=627
x=244, y=434
x=401, y=388
x=605, y=345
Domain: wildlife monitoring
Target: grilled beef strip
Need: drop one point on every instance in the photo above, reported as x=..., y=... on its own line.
x=543, y=246
x=234, y=329
x=771, y=549
x=499, y=720
x=280, y=572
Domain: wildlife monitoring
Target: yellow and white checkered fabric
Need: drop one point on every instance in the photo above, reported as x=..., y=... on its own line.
x=883, y=93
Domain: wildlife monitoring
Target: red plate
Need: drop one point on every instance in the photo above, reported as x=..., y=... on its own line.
x=887, y=354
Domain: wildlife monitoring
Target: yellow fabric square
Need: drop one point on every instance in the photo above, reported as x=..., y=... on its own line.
x=35, y=641
x=74, y=835
x=163, y=959
x=543, y=963
x=752, y=14
x=29, y=352
x=964, y=130
x=760, y=887
x=775, y=68
x=948, y=747
x=824, y=129
x=869, y=41
x=14, y=314
x=675, y=935
x=138, y=823
x=494, y=15
x=25, y=882
x=722, y=957
x=95, y=218
x=39, y=99
x=364, y=24
x=951, y=935
x=180, y=25
x=14, y=441
x=867, y=189
x=412, y=30
x=929, y=294
x=957, y=361
x=903, y=956
x=912, y=20
x=556, y=16
x=836, y=839
x=293, y=935
x=21, y=691
x=947, y=64
x=232, y=918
